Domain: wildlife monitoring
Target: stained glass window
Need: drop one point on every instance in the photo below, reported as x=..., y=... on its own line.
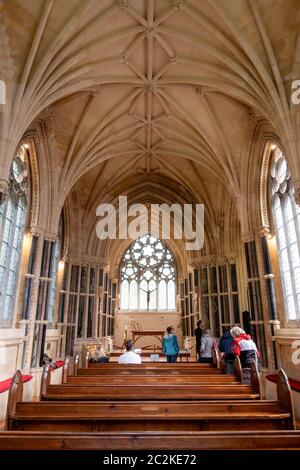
x=12, y=216
x=148, y=275
x=286, y=216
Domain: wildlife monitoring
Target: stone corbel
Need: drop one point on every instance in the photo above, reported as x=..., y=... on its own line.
x=296, y=186
x=35, y=231
x=263, y=231
x=248, y=237
x=4, y=190
x=51, y=236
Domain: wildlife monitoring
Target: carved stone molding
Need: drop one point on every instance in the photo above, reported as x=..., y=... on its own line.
x=213, y=260
x=89, y=261
x=230, y=258
x=178, y=4
x=123, y=5
x=264, y=185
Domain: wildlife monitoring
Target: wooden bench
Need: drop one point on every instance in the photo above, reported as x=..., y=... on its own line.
x=189, y=365
x=150, y=416
x=140, y=415
x=149, y=392
x=152, y=380
x=157, y=368
x=149, y=425
x=144, y=391
x=192, y=440
x=105, y=369
x=80, y=389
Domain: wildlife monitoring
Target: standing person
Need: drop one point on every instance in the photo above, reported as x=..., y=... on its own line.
x=170, y=346
x=244, y=347
x=225, y=347
x=129, y=357
x=198, y=334
x=206, y=348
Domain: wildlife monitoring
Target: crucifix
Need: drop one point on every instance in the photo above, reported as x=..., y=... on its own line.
x=148, y=292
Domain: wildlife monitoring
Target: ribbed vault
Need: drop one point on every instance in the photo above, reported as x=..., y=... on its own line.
x=144, y=87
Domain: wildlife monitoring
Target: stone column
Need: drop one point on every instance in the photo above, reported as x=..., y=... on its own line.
x=36, y=231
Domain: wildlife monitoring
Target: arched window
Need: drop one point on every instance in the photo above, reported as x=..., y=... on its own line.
x=286, y=216
x=148, y=275
x=12, y=221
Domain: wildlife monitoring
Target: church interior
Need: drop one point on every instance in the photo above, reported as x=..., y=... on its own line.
x=163, y=102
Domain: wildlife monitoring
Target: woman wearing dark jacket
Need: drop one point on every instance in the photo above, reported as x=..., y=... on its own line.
x=198, y=335
x=170, y=346
x=225, y=348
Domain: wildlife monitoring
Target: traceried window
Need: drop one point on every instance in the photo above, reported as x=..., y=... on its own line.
x=287, y=223
x=148, y=275
x=12, y=220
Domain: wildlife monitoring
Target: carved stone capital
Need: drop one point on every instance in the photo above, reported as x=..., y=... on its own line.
x=51, y=236
x=4, y=186
x=35, y=230
x=248, y=237
x=4, y=190
x=296, y=185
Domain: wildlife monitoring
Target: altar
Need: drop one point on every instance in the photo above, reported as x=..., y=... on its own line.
x=158, y=334
x=136, y=334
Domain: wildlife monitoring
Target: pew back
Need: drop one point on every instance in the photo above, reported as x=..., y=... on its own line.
x=247, y=440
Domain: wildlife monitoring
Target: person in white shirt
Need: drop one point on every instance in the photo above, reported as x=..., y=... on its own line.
x=129, y=357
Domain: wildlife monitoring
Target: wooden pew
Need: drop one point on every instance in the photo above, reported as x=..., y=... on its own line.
x=149, y=392
x=241, y=440
x=152, y=379
x=187, y=365
x=80, y=389
x=105, y=369
x=87, y=364
x=110, y=413
x=149, y=416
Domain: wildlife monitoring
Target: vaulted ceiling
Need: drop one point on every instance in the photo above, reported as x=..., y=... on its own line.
x=149, y=90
